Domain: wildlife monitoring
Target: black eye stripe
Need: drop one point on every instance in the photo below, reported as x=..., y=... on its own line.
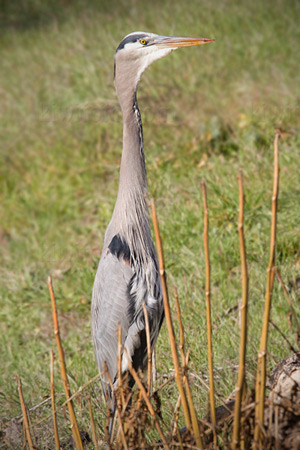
x=131, y=39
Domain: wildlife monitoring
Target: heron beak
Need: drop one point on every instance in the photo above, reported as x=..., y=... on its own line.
x=177, y=41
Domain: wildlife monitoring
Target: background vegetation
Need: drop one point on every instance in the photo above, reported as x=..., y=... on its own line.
x=207, y=113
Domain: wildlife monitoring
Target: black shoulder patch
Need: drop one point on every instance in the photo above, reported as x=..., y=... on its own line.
x=119, y=248
x=130, y=39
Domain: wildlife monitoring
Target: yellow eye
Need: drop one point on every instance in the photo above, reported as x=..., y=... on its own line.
x=143, y=42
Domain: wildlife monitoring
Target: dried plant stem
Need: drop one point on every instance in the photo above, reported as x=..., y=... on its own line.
x=120, y=354
x=121, y=428
x=175, y=417
x=208, y=315
x=94, y=435
x=56, y=437
x=67, y=401
x=181, y=330
x=168, y=317
x=244, y=308
x=149, y=353
x=154, y=372
x=290, y=303
x=120, y=366
x=111, y=436
x=262, y=355
x=120, y=398
x=147, y=400
x=25, y=417
x=81, y=388
x=63, y=371
x=186, y=379
x=290, y=346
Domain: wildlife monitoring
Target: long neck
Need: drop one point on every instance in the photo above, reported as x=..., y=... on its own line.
x=133, y=176
x=130, y=216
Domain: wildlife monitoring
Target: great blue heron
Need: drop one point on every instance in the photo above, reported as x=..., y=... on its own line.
x=128, y=272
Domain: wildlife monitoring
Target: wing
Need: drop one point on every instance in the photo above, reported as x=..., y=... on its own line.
x=110, y=308
x=121, y=286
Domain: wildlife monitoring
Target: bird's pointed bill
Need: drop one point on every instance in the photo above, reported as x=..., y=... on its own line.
x=179, y=41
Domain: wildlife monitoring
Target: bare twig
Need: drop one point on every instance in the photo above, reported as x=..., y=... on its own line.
x=289, y=300
x=243, y=340
x=169, y=319
x=208, y=314
x=149, y=353
x=175, y=417
x=154, y=371
x=121, y=399
x=25, y=417
x=290, y=346
x=53, y=400
x=111, y=436
x=181, y=330
x=165, y=383
x=147, y=400
x=262, y=355
x=94, y=435
x=186, y=378
x=81, y=388
x=63, y=370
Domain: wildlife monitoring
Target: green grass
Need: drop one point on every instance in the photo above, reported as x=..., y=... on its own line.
x=60, y=131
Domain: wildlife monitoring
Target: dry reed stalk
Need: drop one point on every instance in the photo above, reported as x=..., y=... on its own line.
x=110, y=438
x=154, y=371
x=285, y=291
x=240, y=387
x=290, y=346
x=181, y=330
x=25, y=416
x=262, y=355
x=174, y=423
x=194, y=419
x=121, y=428
x=120, y=355
x=120, y=366
x=147, y=400
x=120, y=398
x=44, y=419
x=168, y=317
x=81, y=388
x=162, y=385
x=93, y=428
x=208, y=314
x=63, y=371
x=56, y=437
x=149, y=353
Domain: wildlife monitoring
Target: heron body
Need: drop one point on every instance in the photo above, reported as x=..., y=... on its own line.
x=128, y=273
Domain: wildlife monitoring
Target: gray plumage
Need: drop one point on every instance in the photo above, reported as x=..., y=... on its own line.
x=128, y=272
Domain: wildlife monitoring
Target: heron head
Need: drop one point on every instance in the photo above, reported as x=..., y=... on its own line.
x=138, y=50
